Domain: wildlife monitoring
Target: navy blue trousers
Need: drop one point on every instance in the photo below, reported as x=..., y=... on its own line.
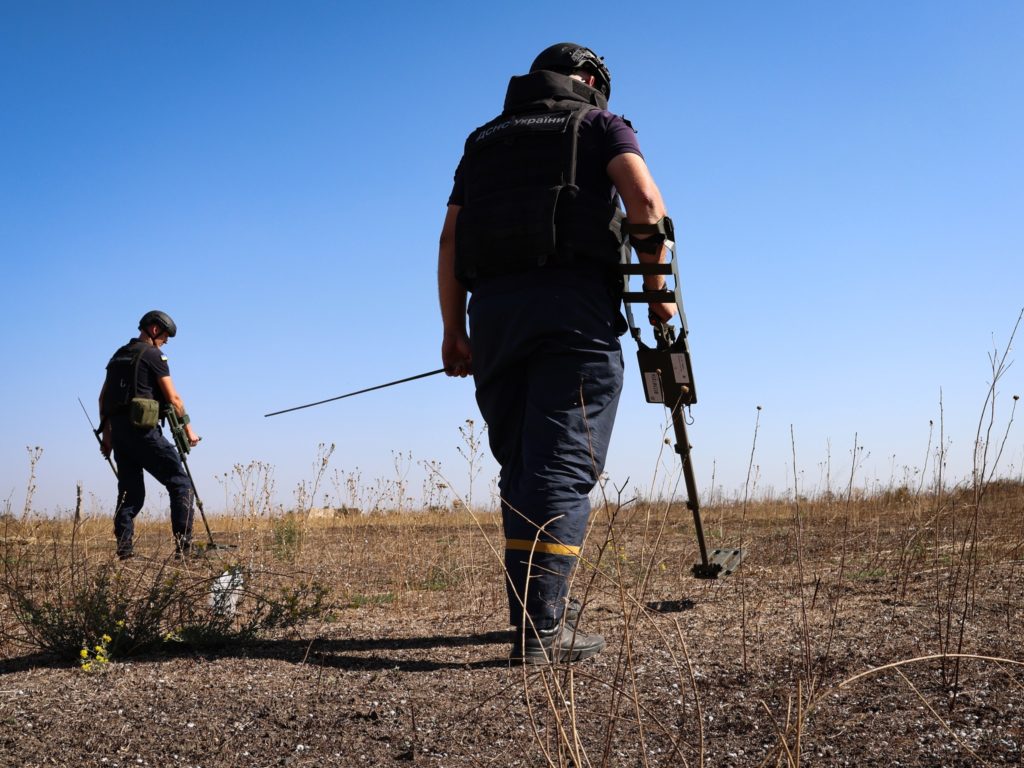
x=136, y=450
x=548, y=371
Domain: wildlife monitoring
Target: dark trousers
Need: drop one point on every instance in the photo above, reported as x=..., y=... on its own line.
x=136, y=450
x=548, y=372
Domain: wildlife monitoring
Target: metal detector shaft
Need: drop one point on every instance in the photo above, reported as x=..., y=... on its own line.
x=357, y=392
x=692, y=502
x=99, y=439
x=199, y=502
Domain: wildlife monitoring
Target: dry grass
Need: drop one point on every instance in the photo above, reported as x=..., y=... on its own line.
x=881, y=630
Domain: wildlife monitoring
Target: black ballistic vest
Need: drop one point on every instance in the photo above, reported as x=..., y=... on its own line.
x=122, y=383
x=521, y=205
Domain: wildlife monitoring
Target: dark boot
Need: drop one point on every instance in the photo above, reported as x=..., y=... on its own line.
x=559, y=645
x=572, y=612
x=185, y=548
x=124, y=548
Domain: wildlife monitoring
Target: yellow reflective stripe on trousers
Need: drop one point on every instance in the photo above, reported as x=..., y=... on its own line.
x=547, y=547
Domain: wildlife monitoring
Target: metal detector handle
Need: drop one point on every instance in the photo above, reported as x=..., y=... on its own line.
x=177, y=426
x=664, y=332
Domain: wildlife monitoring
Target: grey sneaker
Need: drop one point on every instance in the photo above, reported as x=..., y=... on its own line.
x=555, y=646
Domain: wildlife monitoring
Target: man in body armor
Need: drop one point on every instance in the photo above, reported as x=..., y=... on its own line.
x=533, y=231
x=137, y=388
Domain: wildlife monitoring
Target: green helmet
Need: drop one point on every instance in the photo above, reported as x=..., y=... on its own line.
x=566, y=58
x=156, y=317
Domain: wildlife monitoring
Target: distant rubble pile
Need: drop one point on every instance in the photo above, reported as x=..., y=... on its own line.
x=329, y=513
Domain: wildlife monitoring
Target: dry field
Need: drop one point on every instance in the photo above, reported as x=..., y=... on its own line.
x=863, y=631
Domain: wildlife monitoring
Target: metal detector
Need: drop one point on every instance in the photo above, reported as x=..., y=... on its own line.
x=182, y=444
x=667, y=376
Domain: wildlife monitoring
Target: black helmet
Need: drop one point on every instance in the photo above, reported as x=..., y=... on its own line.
x=568, y=57
x=159, y=318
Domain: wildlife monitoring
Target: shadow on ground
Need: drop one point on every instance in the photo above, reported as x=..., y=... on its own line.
x=383, y=653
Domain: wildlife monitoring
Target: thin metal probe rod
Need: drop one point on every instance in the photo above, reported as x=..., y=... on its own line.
x=99, y=439
x=357, y=392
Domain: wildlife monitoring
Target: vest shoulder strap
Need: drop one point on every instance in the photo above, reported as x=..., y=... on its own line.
x=574, y=133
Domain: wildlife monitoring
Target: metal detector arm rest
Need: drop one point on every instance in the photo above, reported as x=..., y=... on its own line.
x=662, y=297
x=672, y=295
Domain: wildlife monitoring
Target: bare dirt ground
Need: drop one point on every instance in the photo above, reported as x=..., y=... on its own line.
x=409, y=666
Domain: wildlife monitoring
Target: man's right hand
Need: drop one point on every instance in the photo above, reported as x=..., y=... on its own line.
x=456, y=354
x=106, y=445
x=663, y=312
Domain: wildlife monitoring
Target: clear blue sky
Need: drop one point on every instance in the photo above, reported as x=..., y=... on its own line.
x=846, y=181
